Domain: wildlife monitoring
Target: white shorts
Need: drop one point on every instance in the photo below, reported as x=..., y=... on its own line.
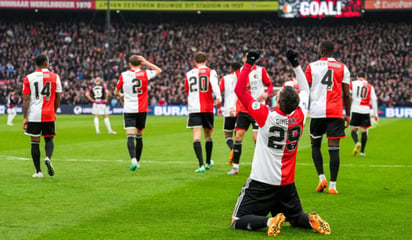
x=99, y=109
x=11, y=111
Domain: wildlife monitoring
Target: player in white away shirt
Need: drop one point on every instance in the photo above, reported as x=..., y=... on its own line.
x=363, y=96
x=270, y=187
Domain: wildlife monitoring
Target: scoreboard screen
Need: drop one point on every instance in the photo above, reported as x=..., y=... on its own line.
x=320, y=8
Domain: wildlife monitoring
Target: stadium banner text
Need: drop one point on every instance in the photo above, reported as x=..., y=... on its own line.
x=172, y=110
x=181, y=110
x=42, y=4
x=388, y=4
x=320, y=8
x=189, y=5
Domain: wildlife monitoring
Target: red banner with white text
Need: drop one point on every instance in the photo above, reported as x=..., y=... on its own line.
x=43, y=4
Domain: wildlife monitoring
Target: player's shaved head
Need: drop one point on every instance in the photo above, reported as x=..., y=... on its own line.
x=326, y=48
x=41, y=61
x=135, y=61
x=200, y=57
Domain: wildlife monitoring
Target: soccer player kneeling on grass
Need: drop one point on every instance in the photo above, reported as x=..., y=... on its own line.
x=270, y=187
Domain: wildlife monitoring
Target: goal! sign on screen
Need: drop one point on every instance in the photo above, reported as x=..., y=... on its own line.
x=320, y=8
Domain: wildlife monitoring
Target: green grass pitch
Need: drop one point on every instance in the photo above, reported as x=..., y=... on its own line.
x=93, y=195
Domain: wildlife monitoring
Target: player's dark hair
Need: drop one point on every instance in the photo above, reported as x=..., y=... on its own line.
x=200, y=57
x=361, y=75
x=288, y=99
x=134, y=60
x=235, y=66
x=327, y=47
x=41, y=60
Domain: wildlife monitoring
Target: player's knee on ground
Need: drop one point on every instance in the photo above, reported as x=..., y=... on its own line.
x=250, y=222
x=301, y=221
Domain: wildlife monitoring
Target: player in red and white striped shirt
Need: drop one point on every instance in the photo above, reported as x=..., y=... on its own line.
x=271, y=185
x=42, y=92
x=363, y=96
x=134, y=84
x=260, y=86
x=200, y=84
x=227, y=86
x=329, y=81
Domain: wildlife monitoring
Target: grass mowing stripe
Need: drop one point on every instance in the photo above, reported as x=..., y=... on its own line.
x=13, y=158
x=94, y=197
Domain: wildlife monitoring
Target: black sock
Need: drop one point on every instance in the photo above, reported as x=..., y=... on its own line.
x=198, y=151
x=334, y=163
x=35, y=154
x=139, y=146
x=364, y=139
x=250, y=222
x=49, y=146
x=229, y=142
x=208, y=147
x=355, y=136
x=237, y=150
x=317, y=157
x=130, y=145
x=301, y=221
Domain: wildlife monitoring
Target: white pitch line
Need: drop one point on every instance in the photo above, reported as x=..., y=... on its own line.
x=14, y=158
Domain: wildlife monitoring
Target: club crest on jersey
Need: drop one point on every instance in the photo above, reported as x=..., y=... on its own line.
x=255, y=105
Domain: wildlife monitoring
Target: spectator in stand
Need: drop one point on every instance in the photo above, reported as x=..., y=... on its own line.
x=382, y=50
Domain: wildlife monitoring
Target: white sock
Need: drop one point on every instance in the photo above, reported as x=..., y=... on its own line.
x=107, y=122
x=235, y=165
x=321, y=177
x=96, y=124
x=268, y=222
x=332, y=185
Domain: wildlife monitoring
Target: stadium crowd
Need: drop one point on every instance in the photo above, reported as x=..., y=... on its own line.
x=80, y=50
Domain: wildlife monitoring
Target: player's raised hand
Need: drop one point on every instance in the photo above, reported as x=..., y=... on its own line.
x=142, y=59
x=252, y=56
x=292, y=56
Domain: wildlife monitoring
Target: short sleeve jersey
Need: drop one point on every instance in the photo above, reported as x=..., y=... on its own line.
x=98, y=93
x=42, y=85
x=134, y=85
x=327, y=76
x=259, y=81
x=227, y=85
x=200, y=84
x=363, y=94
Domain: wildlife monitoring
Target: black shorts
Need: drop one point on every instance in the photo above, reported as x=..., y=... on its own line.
x=229, y=125
x=205, y=120
x=244, y=120
x=37, y=129
x=333, y=127
x=360, y=120
x=257, y=198
x=135, y=120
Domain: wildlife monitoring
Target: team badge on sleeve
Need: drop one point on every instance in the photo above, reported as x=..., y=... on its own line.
x=255, y=105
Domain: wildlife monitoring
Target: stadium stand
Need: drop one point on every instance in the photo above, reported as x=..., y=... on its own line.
x=79, y=49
